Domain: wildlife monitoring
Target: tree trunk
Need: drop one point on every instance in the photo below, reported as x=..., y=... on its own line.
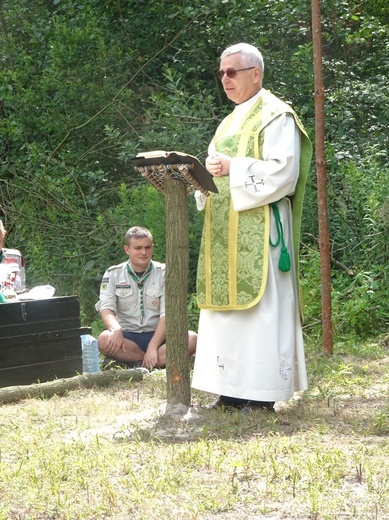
x=324, y=235
x=177, y=268
x=61, y=386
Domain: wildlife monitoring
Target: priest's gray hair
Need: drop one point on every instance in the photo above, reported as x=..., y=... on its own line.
x=137, y=232
x=251, y=55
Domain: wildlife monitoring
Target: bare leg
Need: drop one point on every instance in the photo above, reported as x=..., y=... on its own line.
x=192, y=341
x=130, y=354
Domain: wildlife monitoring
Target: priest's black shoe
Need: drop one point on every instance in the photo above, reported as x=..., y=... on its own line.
x=260, y=405
x=228, y=404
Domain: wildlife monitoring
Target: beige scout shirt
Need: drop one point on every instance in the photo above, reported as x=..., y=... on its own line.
x=120, y=294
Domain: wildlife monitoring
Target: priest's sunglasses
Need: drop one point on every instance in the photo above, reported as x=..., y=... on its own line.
x=231, y=73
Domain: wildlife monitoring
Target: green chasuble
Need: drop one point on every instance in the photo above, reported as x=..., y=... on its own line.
x=233, y=258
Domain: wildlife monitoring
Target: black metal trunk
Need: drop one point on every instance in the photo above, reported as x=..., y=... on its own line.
x=40, y=340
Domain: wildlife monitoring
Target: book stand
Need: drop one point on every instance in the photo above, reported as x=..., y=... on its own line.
x=176, y=174
x=156, y=174
x=156, y=166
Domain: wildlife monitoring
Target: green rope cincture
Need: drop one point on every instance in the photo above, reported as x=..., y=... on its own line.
x=284, y=261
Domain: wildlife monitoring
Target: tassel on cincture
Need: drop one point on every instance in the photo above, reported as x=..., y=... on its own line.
x=284, y=261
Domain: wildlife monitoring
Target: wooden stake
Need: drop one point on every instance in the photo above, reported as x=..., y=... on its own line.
x=177, y=269
x=324, y=235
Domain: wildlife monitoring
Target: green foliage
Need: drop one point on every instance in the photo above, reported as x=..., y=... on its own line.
x=86, y=85
x=193, y=313
x=359, y=208
x=359, y=300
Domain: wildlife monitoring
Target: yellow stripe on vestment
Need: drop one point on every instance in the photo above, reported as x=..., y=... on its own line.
x=232, y=254
x=207, y=260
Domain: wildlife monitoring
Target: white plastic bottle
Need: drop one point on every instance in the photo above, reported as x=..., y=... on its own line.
x=8, y=291
x=90, y=354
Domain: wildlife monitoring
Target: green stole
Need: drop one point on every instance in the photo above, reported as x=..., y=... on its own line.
x=233, y=258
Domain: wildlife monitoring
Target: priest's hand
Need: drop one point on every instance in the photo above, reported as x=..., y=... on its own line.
x=218, y=164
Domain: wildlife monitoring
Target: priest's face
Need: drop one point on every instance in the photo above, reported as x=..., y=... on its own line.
x=245, y=83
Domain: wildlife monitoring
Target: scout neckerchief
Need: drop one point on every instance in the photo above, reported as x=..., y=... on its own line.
x=140, y=280
x=1, y=256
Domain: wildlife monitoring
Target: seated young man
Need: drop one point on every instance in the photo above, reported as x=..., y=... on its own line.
x=132, y=307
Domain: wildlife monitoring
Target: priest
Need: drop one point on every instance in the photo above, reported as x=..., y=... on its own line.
x=250, y=347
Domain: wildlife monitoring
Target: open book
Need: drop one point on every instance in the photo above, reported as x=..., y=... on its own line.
x=159, y=157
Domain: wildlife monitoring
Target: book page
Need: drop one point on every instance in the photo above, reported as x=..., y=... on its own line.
x=163, y=154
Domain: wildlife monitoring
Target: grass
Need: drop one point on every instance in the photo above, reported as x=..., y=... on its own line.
x=110, y=453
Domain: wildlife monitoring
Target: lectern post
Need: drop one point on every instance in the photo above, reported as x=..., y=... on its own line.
x=169, y=173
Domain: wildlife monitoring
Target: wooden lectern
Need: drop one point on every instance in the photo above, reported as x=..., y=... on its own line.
x=176, y=174
x=158, y=165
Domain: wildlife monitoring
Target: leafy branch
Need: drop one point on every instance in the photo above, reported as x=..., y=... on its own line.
x=103, y=109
